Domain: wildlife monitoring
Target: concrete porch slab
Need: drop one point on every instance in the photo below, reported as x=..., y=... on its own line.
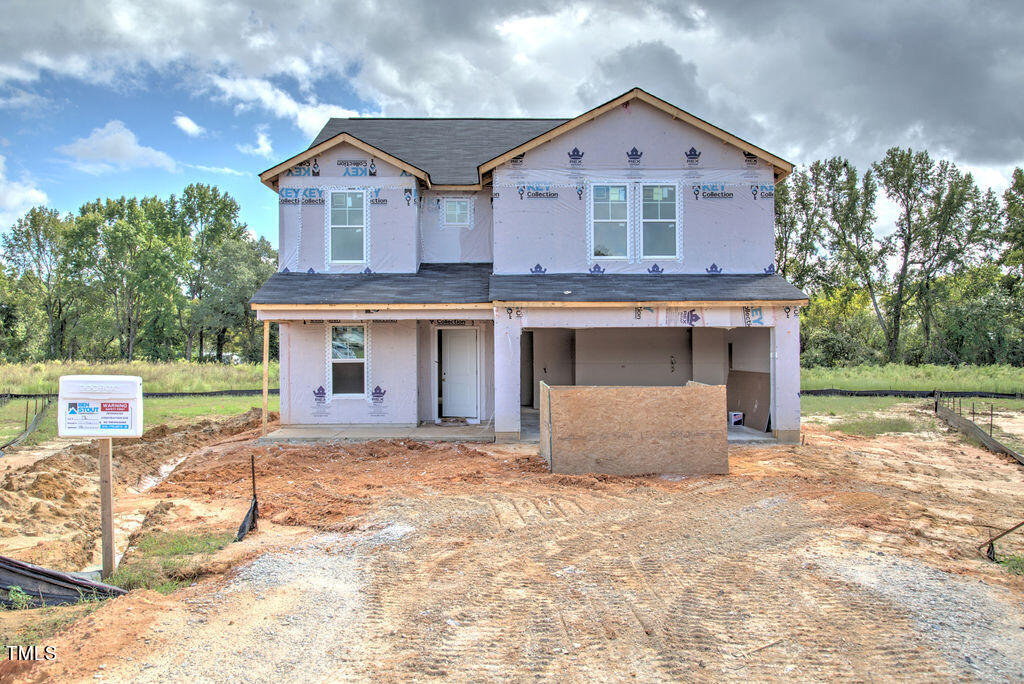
x=741, y=434
x=298, y=434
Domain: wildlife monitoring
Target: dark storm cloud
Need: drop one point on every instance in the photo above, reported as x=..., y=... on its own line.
x=804, y=80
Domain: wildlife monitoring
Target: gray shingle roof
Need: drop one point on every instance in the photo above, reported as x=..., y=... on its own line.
x=450, y=150
x=584, y=287
x=474, y=283
x=434, y=283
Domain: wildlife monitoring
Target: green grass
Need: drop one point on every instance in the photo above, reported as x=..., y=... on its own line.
x=157, y=411
x=872, y=426
x=39, y=624
x=1008, y=379
x=1013, y=564
x=166, y=561
x=171, y=376
x=811, y=405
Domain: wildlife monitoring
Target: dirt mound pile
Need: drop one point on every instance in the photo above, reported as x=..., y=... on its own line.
x=323, y=485
x=49, y=510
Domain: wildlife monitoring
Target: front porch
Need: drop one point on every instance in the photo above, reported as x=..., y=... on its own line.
x=425, y=432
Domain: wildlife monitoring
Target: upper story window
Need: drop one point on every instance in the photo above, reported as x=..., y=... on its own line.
x=456, y=212
x=348, y=360
x=348, y=226
x=611, y=229
x=658, y=233
x=616, y=233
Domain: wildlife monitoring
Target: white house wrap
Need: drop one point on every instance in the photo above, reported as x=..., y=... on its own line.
x=436, y=270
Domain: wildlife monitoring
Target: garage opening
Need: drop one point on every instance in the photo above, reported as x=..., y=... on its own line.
x=738, y=358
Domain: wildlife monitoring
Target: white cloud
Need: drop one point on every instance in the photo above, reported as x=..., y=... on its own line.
x=22, y=99
x=855, y=78
x=188, y=126
x=309, y=116
x=114, y=147
x=262, y=147
x=222, y=170
x=16, y=197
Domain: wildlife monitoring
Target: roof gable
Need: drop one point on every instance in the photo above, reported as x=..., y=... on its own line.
x=460, y=152
x=782, y=168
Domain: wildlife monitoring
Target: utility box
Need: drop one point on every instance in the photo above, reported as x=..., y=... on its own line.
x=99, y=406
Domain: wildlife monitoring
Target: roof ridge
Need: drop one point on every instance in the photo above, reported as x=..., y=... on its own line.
x=449, y=118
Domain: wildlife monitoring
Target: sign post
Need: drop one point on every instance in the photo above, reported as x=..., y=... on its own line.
x=104, y=406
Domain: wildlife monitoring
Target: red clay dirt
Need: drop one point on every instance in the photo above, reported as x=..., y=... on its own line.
x=471, y=561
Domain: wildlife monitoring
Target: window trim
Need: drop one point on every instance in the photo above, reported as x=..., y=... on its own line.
x=365, y=361
x=641, y=226
x=591, y=257
x=329, y=225
x=443, y=212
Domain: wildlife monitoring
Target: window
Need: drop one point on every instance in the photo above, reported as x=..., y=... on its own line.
x=611, y=233
x=456, y=212
x=658, y=236
x=348, y=359
x=634, y=220
x=348, y=226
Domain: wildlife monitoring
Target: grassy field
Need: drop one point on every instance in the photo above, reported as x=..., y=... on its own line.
x=1008, y=379
x=156, y=411
x=172, y=376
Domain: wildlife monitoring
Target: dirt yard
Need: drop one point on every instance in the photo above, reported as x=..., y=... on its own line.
x=847, y=557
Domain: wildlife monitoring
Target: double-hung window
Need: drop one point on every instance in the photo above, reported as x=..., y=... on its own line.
x=348, y=226
x=658, y=222
x=456, y=212
x=611, y=227
x=616, y=233
x=348, y=360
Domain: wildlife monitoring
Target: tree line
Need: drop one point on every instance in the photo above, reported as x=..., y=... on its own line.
x=946, y=286
x=128, y=279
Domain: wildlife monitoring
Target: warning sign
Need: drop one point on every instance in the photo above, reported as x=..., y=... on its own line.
x=91, y=416
x=99, y=406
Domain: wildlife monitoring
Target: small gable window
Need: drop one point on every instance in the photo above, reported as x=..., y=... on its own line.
x=456, y=211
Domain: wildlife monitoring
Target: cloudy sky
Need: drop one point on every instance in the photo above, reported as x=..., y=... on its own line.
x=113, y=98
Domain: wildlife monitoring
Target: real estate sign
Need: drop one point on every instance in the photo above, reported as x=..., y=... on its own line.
x=99, y=406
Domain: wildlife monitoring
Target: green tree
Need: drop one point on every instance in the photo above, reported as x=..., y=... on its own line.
x=1013, y=223
x=798, y=228
x=849, y=202
x=133, y=264
x=41, y=248
x=240, y=266
x=943, y=223
x=199, y=221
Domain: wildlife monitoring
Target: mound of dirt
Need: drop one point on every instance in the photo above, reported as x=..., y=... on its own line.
x=49, y=510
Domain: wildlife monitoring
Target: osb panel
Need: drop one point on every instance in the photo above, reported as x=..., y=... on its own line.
x=750, y=392
x=636, y=430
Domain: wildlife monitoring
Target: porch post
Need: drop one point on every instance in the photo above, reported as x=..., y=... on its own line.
x=786, y=376
x=507, y=331
x=266, y=375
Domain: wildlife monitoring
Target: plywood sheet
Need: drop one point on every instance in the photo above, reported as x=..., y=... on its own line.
x=635, y=430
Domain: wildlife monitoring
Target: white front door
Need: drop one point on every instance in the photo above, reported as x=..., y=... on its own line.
x=458, y=373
